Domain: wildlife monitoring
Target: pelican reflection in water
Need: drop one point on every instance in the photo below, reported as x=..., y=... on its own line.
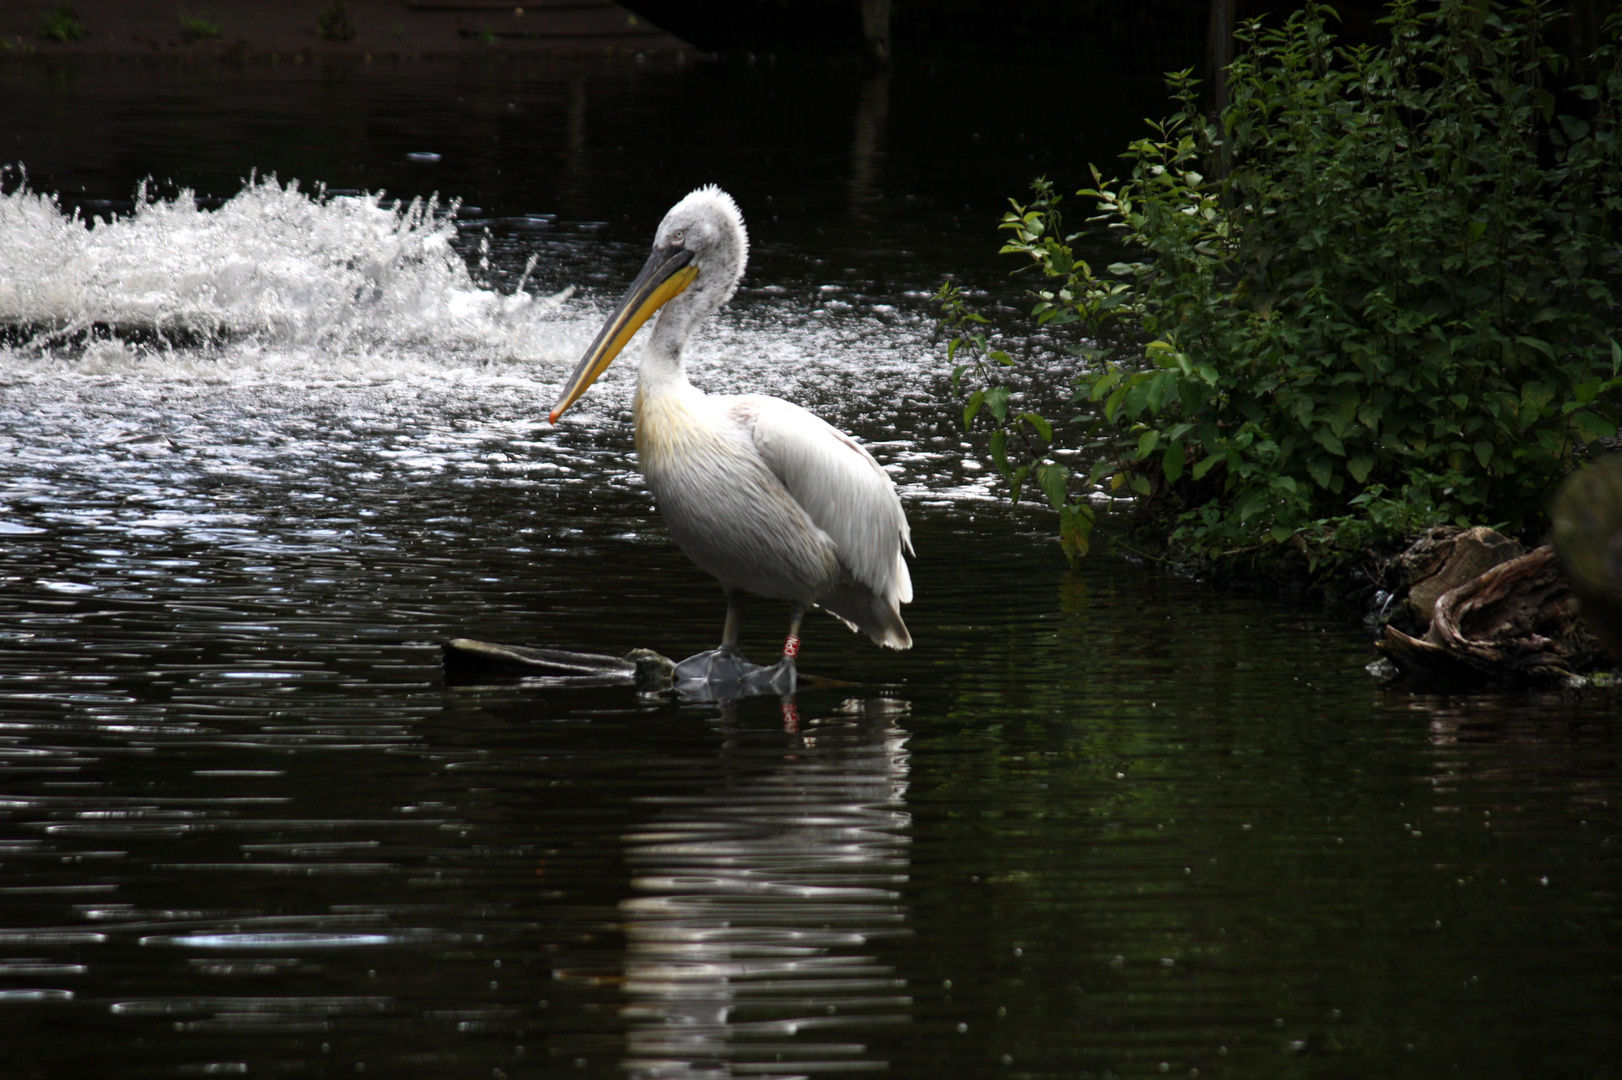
x=757, y=491
x=766, y=895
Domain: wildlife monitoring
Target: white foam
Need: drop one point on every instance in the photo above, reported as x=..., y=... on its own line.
x=211, y=326
x=275, y=278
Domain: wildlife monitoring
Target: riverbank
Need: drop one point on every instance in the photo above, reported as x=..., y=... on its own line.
x=1460, y=608
x=358, y=28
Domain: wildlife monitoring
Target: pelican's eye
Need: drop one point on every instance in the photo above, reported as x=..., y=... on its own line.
x=678, y=236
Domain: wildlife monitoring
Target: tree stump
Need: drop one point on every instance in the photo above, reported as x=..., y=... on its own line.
x=1445, y=558
x=1515, y=622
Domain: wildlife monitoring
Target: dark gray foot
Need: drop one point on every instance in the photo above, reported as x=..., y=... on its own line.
x=724, y=674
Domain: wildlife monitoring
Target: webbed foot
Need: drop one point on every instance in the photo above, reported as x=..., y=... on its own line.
x=724, y=674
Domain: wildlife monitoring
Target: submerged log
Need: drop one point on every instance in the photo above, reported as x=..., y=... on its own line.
x=703, y=678
x=1515, y=622
x=642, y=670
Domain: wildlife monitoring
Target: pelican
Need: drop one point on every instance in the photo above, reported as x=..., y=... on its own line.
x=763, y=495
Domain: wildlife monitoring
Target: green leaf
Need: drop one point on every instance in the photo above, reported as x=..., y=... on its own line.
x=996, y=398
x=1252, y=504
x=972, y=409
x=1075, y=529
x=1326, y=439
x=1537, y=394
x=1161, y=354
x=1102, y=384
x=1173, y=460
x=1359, y=467
x=1162, y=388
x=1537, y=344
x=1112, y=407
x=1016, y=482
x=1051, y=477
x=998, y=445
x=1593, y=426
x=1040, y=423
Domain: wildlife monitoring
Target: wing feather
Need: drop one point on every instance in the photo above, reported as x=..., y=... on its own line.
x=841, y=488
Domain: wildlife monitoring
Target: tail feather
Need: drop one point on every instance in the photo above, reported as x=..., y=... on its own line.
x=859, y=608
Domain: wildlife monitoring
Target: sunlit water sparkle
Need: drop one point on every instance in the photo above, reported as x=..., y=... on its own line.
x=263, y=450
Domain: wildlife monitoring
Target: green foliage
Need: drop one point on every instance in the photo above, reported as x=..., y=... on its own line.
x=197, y=27
x=1030, y=432
x=1383, y=291
x=62, y=23
x=334, y=24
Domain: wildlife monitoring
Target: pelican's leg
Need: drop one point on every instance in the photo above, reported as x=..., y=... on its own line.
x=791, y=644
x=785, y=673
x=722, y=672
x=730, y=632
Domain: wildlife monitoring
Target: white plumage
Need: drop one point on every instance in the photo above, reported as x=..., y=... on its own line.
x=762, y=494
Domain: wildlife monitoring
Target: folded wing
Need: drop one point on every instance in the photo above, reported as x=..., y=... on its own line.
x=848, y=496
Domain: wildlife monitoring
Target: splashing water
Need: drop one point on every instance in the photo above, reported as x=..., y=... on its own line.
x=242, y=323
x=273, y=269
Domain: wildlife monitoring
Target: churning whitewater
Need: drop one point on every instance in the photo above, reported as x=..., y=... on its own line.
x=315, y=300
x=272, y=269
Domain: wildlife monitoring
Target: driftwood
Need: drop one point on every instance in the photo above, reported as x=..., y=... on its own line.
x=707, y=677
x=643, y=670
x=1445, y=558
x=1515, y=622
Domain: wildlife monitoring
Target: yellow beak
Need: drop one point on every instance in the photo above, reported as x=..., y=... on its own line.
x=664, y=276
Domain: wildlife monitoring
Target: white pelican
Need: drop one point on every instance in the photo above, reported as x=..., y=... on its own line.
x=757, y=491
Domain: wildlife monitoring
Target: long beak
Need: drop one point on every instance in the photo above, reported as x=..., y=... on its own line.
x=666, y=273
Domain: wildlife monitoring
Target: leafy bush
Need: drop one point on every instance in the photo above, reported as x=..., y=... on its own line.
x=198, y=27
x=62, y=23
x=1383, y=291
x=333, y=23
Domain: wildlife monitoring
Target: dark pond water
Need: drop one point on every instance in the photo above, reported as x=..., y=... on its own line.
x=260, y=455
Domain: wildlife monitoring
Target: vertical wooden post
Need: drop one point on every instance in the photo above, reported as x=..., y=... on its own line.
x=1219, y=50
x=867, y=148
x=1582, y=31
x=1219, y=54
x=876, y=30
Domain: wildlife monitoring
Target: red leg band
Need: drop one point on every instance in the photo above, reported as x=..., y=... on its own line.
x=791, y=646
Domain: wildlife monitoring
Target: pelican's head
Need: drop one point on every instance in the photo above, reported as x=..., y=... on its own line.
x=698, y=253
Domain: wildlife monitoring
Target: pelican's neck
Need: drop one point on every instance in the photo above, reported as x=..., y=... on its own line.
x=666, y=402
x=664, y=361
x=720, y=261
